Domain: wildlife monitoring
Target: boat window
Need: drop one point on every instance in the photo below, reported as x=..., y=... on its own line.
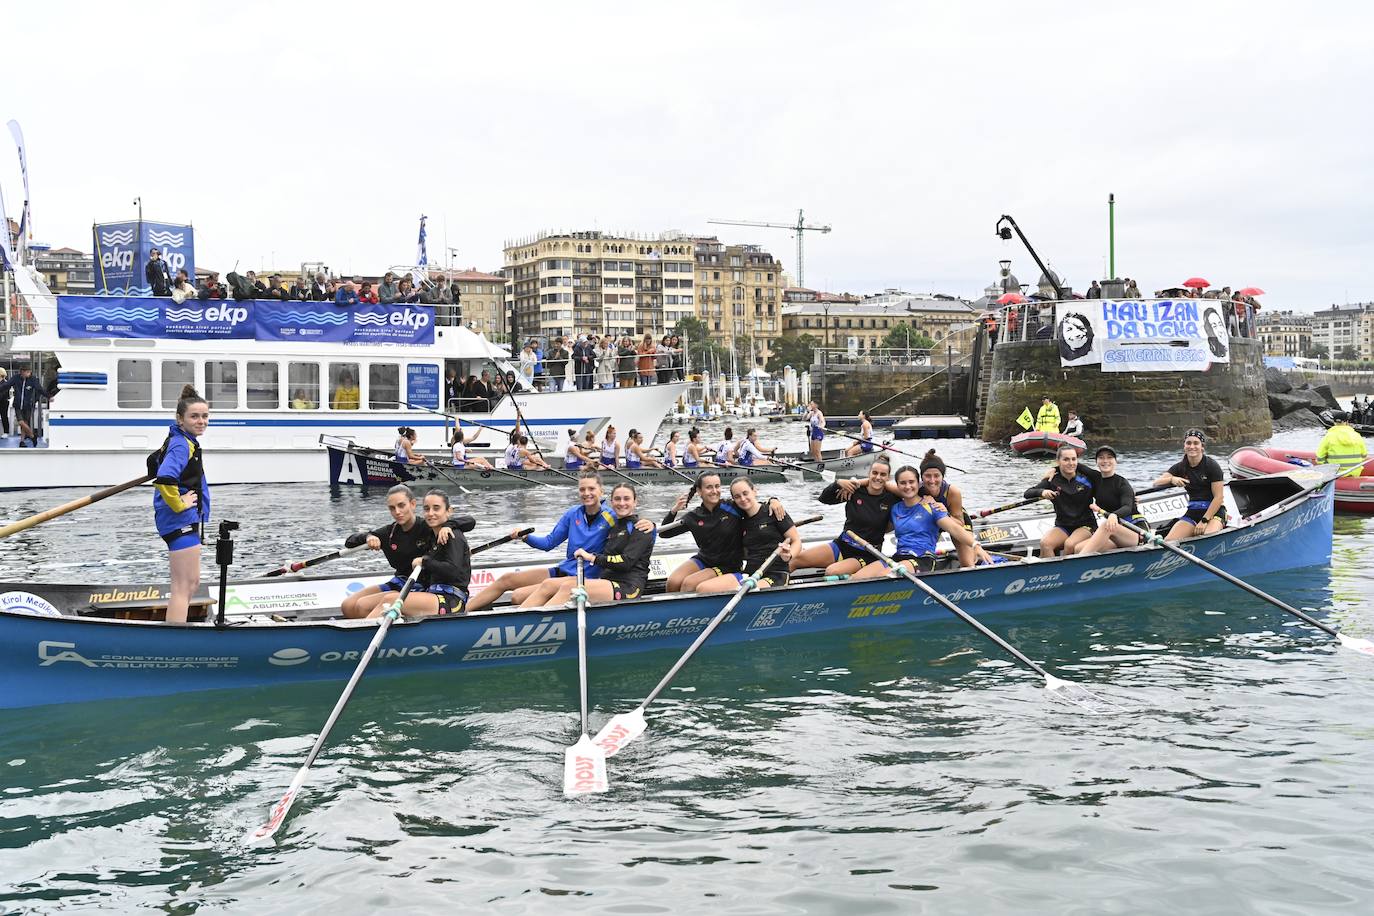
x=134, y=383
x=343, y=386
x=383, y=386
x=303, y=380
x=221, y=383
x=263, y=389
x=176, y=374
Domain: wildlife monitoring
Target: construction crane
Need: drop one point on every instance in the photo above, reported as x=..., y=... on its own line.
x=799, y=228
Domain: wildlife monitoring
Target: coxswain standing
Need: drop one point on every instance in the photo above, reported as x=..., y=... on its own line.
x=402, y=542
x=181, y=499
x=761, y=532
x=1071, y=489
x=445, y=570
x=1205, y=483
x=917, y=521
x=621, y=563
x=865, y=433
x=1115, y=498
x=815, y=425
x=867, y=513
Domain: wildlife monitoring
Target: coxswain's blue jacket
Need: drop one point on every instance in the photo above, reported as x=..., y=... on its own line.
x=179, y=473
x=573, y=528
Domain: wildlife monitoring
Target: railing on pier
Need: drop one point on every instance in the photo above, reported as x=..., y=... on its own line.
x=1038, y=320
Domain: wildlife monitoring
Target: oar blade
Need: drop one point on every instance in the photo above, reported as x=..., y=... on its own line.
x=620, y=730
x=1356, y=643
x=1079, y=696
x=261, y=836
x=584, y=769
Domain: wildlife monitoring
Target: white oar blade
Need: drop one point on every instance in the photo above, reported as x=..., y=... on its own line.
x=1354, y=642
x=1080, y=696
x=620, y=731
x=584, y=769
x=264, y=834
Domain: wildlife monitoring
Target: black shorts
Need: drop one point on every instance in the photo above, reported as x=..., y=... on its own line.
x=774, y=578
x=451, y=601
x=924, y=563
x=721, y=568
x=843, y=550
x=1194, y=516
x=621, y=593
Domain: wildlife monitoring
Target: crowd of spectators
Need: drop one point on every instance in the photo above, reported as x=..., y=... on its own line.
x=587, y=361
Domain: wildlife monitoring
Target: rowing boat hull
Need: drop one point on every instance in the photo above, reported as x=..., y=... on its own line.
x=61, y=659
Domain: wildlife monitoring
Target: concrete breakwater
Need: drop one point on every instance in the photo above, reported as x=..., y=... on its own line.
x=1229, y=402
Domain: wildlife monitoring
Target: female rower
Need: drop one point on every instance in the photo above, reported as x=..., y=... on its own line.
x=181, y=499
x=672, y=449
x=867, y=512
x=579, y=455
x=1072, y=489
x=696, y=454
x=750, y=453
x=520, y=458
x=445, y=570
x=917, y=521
x=761, y=532
x=1115, y=497
x=621, y=562
x=461, y=458
x=815, y=424
x=402, y=542
x=405, y=447
x=637, y=456
x=610, y=449
x=584, y=525
x=725, y=449
x=865, y=433
x=714, y=525
x=1203, y=480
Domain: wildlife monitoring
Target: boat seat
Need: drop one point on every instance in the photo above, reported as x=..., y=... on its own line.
x=151, y=609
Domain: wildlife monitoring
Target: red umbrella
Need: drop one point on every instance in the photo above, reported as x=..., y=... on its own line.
x=1011, y=299
x=1250, y=291
x=1196, y=283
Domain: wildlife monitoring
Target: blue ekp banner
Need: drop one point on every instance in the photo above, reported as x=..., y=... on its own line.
x=152, y=318
x=176, y=243
x=118, y=271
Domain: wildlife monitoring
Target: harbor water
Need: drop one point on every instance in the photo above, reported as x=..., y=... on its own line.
x=908, y=769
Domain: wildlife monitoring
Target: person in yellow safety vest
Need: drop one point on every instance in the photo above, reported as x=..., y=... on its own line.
x=1047, y=420
x=1342, y=445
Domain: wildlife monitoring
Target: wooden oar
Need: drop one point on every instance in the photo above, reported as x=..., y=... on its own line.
x=1349, y=642
x=1026, y=502
x=1074, y=693
x=279, y=810
x=621, y=729
x=25, y=523
x=826, y=475
x=584, y=763
x=887, y=448
x=287, y=568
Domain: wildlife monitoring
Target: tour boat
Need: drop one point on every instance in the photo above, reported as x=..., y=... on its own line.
x=275, y=375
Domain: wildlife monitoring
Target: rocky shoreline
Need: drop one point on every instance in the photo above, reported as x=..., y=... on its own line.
x=1296, y=407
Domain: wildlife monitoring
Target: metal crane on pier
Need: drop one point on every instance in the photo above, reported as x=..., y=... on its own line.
x=800, y=227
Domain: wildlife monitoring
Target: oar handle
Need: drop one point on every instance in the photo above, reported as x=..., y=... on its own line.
x=952, y=607
x=501, y=540
x=33, y=520
x=286, y=568
x=1152, y=537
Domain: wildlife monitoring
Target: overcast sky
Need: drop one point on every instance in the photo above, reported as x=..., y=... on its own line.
x=1236, y=136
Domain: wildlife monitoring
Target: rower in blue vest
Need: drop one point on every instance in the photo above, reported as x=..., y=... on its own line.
x=181, y=499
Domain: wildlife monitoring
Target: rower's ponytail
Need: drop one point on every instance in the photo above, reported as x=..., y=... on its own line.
x=189, y=396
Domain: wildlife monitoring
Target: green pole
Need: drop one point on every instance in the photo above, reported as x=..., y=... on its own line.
x=1111, y=235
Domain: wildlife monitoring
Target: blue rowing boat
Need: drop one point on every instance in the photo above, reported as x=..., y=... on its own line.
x=51, y=653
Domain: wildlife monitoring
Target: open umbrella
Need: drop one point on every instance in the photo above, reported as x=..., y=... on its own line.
x=1250, y=291
x=1011, y=299
x=1196, y=283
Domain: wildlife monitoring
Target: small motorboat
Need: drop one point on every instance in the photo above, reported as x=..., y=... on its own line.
x=1037, y=442
x=1354, y=492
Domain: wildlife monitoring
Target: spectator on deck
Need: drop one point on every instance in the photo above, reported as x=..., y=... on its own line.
x=319, y=290
x=183, y=289
x=300, y=290
x=453, y=388
x=387, y=292
x=1095, y=290
x=366, y=295
x=346, y=294
x=679, y=359
x=625, y=363
x=1132, y=291
x=275, y=290
x=603, y=375
x=405, y=293
x=645, y=359
x=4, y=403
x=557, y=364
x=211, y=289
x=158, y=276
x=26, y=392
x=301, y=400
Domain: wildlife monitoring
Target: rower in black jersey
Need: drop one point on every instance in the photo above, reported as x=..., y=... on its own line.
x=1201, y=476
x=623, y=561
x=867, y=513
x=761, y=531
x=401, y=542
x=445, y=571
x=714, y=525
x=1116, y=498
x=1071, y=488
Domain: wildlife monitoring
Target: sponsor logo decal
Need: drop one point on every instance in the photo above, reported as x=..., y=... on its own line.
x=352, y=655
x=1107, y=572
x=880, y=604
x=288, y=657
x=50, y=652
x=28, y=603
x=532, y=639
x=1033, y=584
